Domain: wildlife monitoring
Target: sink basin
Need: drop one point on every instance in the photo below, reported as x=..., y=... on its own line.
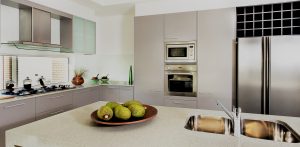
x=209, y=124
x=277, y=131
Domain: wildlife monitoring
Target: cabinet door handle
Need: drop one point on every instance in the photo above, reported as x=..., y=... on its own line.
x=176, y=102
x=57, y=112
x=16, y=105
x=56, y=97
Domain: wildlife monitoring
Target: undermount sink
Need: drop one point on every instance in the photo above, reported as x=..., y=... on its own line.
x=276, y=131
x=209, y=124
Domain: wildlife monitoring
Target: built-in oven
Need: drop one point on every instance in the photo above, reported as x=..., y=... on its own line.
x=181, y=80
x=180, y=52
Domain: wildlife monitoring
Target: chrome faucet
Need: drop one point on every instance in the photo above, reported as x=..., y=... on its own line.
x=235, y=116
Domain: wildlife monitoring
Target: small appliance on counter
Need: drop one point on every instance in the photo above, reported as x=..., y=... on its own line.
x=27, y=84
x=9, y=85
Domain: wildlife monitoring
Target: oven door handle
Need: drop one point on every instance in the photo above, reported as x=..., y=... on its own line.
x=175, y=73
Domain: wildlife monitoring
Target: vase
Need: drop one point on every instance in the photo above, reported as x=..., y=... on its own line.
x=78, y=80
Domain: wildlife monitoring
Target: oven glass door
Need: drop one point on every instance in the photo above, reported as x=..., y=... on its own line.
x=180, y=83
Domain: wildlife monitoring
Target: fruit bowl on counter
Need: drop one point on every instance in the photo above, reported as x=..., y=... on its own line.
x=131, y=112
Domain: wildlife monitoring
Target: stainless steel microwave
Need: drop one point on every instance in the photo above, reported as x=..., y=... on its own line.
x=180, y=52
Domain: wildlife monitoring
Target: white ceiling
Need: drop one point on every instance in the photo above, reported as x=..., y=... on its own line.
x=117, y=2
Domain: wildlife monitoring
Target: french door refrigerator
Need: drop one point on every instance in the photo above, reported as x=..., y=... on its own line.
x=268, y=75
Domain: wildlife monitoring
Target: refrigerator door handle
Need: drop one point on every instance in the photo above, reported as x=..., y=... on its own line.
x=264, y=75
x=268, y=75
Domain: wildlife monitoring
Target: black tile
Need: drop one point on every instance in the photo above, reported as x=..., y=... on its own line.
x=258, y=32
x=267, y=8
x=277, y=7
x=296, y=22
x=296, y=30
x=257, y=9
x=286, y=31
x=277, y=15
x=277, y=31
x=249, y=25
x=267, y=32
x=240, y=10
x=258, y=17
x=287, y=23
x=249, y=17
x=287, y=14
x=249, y=33
x=296, y=14
x=277, y=23
x=240, y=26
x=249, y=9
x=287, y=6
x=296, y=5
x=267, y=16
x=267, y=24
x=240, y=34
x=240, y=18
x=258, y=24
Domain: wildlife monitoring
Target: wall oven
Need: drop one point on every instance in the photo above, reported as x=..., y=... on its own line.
x=181, y=80
x=180, y=52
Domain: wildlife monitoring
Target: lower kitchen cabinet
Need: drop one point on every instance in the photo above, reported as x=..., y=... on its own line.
x=150, y=97
x=86, y=96
x=15, y=114
x=183, y=102
x=53, y=104
x=116, y=93
x=126, y=93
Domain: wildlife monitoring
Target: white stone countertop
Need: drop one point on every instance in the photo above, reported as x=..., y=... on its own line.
x=85, y=85
x=76, y=129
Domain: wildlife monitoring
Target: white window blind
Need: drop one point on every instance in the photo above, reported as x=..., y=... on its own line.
x=60, y=68
x=1, y=73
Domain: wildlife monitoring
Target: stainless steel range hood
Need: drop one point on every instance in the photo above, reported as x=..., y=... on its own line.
x=35, y=25
x=34, y=29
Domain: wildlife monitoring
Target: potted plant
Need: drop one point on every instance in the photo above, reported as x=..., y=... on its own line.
x=78, y=77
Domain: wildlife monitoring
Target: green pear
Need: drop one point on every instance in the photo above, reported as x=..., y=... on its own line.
x=137, y=110
x=105, y=113
x=122, y=113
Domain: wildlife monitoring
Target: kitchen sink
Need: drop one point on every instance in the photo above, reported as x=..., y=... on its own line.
x=277, y=131
x=209, y=124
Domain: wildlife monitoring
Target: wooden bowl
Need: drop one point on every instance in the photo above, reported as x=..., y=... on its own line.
x=151, y=112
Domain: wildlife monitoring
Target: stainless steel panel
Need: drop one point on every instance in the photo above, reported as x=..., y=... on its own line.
x=285, y=76
x=181, y=70
x=25, y=25
x=250, y=74
x=41, y=26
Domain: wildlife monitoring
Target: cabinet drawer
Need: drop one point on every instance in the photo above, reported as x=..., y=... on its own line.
x=54, y=101
x=86, y=96
x=181, y=103
x=17, y=112
x=53, y=112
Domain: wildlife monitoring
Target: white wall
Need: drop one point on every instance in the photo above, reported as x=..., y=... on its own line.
x=114, y=52
x=173, y=6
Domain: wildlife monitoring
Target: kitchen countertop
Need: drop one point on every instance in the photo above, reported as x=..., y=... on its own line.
x=76, y=129
x=88, y=84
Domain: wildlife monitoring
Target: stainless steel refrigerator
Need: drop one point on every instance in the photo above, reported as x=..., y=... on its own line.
x=268, y=75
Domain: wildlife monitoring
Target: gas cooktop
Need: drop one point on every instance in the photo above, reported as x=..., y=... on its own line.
x=45, y=89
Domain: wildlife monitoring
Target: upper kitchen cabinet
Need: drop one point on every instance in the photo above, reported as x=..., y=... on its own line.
x=84, y=36
x=149, y=58
x=181, y=26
